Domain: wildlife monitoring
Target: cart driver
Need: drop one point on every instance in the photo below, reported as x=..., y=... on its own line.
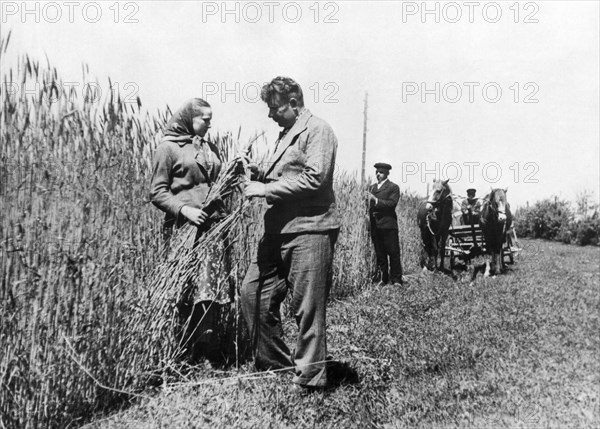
x=471, y=208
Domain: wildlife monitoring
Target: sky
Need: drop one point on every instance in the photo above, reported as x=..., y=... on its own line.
x=486, y=94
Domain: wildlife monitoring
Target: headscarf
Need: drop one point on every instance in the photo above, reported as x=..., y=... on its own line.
x=180, y=127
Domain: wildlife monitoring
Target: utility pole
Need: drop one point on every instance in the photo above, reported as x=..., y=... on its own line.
x=364, y=151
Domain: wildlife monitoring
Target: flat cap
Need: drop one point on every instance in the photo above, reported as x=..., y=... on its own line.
x=383, y=165
x=471, y=190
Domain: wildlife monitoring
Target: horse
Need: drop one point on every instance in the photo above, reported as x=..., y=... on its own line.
x=434, y=218
x=496, y=219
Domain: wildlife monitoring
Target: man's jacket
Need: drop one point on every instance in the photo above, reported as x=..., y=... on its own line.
x=473, y=203
x=383, y=212
x=299, y=179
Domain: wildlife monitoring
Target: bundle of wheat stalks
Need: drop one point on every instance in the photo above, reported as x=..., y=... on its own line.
x=191, y=248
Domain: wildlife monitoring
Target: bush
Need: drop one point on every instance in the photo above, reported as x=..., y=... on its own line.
x=588, y=232
x=545, y=219
x=553, y=219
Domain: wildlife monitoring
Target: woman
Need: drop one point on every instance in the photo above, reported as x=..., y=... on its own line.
x=184, y=168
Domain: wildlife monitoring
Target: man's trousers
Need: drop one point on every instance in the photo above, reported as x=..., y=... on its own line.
x=301, y=264
x=387, y=245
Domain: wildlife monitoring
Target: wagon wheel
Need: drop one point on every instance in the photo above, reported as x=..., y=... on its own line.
x=507, y=252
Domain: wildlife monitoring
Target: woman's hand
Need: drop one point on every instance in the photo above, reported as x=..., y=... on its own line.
x=194, y=215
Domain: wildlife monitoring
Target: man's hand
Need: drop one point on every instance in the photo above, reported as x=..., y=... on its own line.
x=370, y=197
x=194, y=215
x=252, y=166
x=243, y=164
x=255, y=189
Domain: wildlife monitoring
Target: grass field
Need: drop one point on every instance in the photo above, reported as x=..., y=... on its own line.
x=518, y=350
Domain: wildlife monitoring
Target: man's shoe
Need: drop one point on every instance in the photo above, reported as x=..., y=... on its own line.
x=339, y=373
x=304, y=390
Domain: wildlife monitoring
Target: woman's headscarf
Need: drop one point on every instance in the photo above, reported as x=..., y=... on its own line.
x=180, y=127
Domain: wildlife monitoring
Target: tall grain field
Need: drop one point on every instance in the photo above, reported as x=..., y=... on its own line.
x=81, y=326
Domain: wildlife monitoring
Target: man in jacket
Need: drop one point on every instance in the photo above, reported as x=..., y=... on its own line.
x=383, y=198
x=471, y=208
x=296, y=251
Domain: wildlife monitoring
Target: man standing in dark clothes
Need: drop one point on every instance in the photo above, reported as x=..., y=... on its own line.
x=383, y=199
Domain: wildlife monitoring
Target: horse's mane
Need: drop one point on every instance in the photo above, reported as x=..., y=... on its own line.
x=489, y=196
x=488, y=202
x=443, y=185
x=447, y=185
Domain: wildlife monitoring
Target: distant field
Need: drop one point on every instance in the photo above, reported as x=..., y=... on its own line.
x=518, y=350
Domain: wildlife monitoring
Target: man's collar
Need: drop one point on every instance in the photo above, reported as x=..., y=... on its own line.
x=302, y=112
x=300, y=123
x=301, y=120
x=284, y=131
x=299, y=126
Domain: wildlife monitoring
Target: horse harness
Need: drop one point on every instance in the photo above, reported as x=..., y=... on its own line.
x=495, y=210
x=431, y=212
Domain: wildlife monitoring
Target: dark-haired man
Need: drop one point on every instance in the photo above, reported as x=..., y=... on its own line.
x=296, y=252
x=383, y=198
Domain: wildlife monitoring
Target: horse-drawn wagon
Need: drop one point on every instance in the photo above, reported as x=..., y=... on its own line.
x=466, y=242
x=440, y=239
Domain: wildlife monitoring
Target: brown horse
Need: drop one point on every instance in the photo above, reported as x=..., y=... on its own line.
x=496, y=219
x=434, y=218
